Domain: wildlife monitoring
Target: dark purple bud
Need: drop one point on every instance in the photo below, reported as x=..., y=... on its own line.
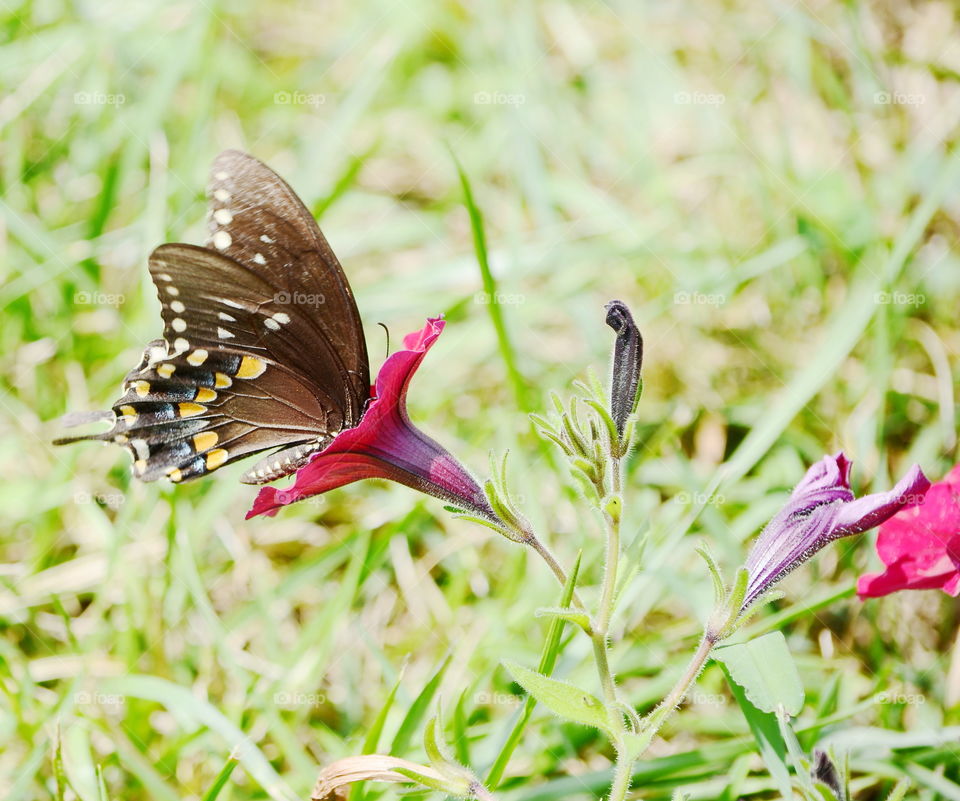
x=625, y=383
x=824, y=771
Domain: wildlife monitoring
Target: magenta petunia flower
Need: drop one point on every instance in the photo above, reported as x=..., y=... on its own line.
x=920, y=546
x=821, y=509
x=386, y=445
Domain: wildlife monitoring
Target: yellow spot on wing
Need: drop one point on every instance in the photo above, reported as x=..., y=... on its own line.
x=174, y=474
x=142, y=388
x=205, y=395
x=198, y=357
x=204, y=441
x=191, y=409
x=216, y=458
x=139, y=466
x=166, y=370
x=222, y=380
x=251, y=367
x=129, y=414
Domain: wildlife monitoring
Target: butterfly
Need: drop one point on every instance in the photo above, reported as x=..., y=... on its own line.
x=262, y=350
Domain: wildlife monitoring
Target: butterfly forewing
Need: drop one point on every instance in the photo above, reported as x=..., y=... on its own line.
x=263, y=346
x=257, y=220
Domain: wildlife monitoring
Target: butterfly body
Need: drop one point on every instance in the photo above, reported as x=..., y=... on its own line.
x=262, y=347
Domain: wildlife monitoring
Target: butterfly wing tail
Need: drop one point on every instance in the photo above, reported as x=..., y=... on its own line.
x=74, y=419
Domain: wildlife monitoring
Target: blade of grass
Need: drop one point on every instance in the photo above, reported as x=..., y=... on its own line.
x=222, y=778
x=548, y=660
x=417, y=712
x=507, y=351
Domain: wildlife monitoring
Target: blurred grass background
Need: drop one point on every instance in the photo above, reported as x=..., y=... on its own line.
x=773, y=187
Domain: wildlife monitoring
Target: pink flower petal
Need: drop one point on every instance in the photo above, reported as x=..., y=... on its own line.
x=920, y=546
x=386, y=445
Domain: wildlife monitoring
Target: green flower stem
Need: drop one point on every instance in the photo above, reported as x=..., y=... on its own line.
x=534, y=542
x=675, y=697
x=611, y=564
x=622, y=778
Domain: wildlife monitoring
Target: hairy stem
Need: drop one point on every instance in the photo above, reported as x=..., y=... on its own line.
x=622, y=777
x=675, y=697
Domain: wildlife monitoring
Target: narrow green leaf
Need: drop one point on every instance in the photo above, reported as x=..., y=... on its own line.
x=222, y=778
x=490, y=289
x=765, y=670
x=372, y=740
x=548, y=660
x=58, y=773
x=570, y=614
x=417, y=711
x=766, y=732
x=562, y=698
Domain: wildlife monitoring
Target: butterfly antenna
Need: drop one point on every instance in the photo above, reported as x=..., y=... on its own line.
x=384, y=327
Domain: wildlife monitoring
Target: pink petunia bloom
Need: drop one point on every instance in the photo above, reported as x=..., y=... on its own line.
x=821, y=509
x=920, y=546
x=385, y=444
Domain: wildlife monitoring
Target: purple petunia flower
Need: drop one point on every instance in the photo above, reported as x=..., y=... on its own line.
x=385, y=444
x=821, y=509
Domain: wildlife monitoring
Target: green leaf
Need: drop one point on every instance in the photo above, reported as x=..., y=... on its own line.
x=222, y=778
x=372, y=740
x=570, y=614
x=562, y=698
x=766, y=731
x=765, y=670
x=505, y=345
x=548, y=659
x=417, y=711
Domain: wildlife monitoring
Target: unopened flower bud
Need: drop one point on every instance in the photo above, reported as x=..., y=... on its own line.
x=625, y=384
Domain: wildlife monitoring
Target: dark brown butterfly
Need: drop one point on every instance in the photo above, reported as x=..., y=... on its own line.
x=262, y=344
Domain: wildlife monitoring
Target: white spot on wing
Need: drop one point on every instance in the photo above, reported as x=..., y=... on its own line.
x=221, y=195
x=226, y=317
x=282, y=317
x=222, y=240
x=266, y=239
x=173, y=291
x=178, y=307
x=180, y=345
x=223, y=216
x=272, y=324
x=223, y=333
x=221, y=175
x=164, y=277
x=226, y=302
x=258, y=258
x=178, y=324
